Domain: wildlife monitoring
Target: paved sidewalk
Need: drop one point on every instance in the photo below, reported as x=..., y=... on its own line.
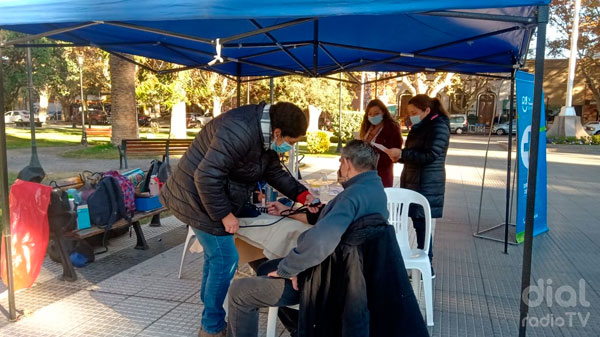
x=477, y=288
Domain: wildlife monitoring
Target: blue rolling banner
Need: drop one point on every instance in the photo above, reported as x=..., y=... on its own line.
x=524, y=114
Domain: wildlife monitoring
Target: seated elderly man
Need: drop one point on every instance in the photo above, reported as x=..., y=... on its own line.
x=363, y=195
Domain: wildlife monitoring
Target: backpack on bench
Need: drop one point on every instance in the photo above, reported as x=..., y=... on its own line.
x=107, y=206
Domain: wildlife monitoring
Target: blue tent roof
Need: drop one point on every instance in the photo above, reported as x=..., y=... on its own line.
x=315, y=38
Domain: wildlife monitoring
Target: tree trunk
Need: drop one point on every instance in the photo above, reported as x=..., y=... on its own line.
x=123, y=112
x=44, y=102
x=178, y=113
x=216, y=106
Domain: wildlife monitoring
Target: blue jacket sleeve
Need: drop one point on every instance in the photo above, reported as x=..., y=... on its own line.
x=316, y=244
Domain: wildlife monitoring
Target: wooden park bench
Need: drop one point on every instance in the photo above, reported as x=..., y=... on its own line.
x=68, y=270
x=99, y=132
x=151, y=147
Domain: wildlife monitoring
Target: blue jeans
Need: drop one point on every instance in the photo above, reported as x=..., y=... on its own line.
x=220, y=263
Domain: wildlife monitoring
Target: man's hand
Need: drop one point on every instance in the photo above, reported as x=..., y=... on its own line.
x=275, y=208
x=394, y=154
x=294, y=279
x=231, y=223
x=309, y=199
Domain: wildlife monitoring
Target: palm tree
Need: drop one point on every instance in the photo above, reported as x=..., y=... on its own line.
x=123, y=114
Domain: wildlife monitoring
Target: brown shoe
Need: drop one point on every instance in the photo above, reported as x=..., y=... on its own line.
x=222, y=333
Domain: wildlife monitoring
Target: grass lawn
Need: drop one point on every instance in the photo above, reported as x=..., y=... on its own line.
x=330, y=153
x=58, y=135
x=104, y=150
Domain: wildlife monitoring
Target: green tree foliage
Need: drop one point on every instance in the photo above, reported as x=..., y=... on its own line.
x=351, y=121
x=48, y=69
x=154, y=89
x=303, y=92
x=588, y=42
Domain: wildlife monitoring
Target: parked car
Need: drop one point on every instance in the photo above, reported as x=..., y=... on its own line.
x=144, y=120
x=458, y=123
x=21, y=118
x=593, y=128
x=93, y=116
x=502, y=128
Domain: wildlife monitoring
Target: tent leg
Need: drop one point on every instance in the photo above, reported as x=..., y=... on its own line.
x=339, y=144
x=271, y=90
x=542, y=20
x=12, y=315
x=509, y=161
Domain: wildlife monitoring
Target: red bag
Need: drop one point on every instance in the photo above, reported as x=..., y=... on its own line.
x=29, y=231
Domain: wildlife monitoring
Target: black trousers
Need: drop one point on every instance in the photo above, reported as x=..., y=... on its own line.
x=419, y=226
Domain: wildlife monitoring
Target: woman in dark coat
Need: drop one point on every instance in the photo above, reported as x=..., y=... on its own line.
x=379, y=127
x=424, y=158
x=216, y=177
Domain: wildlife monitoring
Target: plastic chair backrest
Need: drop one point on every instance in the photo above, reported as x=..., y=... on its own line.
x=399, y=200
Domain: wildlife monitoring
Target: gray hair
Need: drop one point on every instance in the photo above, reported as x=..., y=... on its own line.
x=362, y=155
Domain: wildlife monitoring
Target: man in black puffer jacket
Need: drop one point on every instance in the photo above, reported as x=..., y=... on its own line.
x=215, y=178
x=424, y=158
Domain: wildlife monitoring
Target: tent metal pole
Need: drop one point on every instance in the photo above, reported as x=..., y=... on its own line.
x=487, y=150
x=266, y=29
x=288, y=44
x=339, y=80
x=271, y=85
x=131, y=61
x=509, y=161
x=316, y=48
x=264, y=66
x=542, y=20
x=50, y=33
x=35, y=161
x=12, y=311
x=376, y=83
x=341, y=66
x=413, y=55
x=498, y=32
x=339, y=144
x=282, y=48
x=159, y=32
x=482, y=16
x=239, y=84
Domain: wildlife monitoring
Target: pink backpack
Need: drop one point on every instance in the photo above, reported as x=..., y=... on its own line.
x=127, y=188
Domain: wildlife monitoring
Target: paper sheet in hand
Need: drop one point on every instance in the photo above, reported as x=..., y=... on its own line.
x=379, y=146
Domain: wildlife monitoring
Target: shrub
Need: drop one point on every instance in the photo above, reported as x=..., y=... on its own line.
x=590, y=140
x=350, y=123
x=317, y=142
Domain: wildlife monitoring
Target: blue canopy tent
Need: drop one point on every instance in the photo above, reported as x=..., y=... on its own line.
x=312, y=38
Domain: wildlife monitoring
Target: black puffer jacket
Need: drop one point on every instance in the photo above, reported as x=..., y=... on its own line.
x=219, y=171
x=424, y=158
x=362, y=289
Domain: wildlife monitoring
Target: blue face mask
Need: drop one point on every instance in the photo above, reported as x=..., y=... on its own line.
x=415, y=119
x=283, y=148
x=376, y=119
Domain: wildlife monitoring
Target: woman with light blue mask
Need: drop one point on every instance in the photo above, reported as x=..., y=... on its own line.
x=424, y=159
x=379, y=127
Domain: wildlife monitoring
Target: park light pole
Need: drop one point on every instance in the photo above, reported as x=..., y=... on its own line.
x=83, y=133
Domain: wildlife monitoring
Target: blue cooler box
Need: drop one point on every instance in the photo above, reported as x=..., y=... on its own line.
x=147, y=204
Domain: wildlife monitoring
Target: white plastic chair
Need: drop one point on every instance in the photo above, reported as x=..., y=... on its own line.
x=415, y=259
x=272, y=320
x=190, y=235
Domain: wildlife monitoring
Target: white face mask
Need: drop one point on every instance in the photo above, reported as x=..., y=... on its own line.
x=415, y=119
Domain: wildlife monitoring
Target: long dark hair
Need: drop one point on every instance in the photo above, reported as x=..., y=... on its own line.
x=387, y=116
x=423, y=102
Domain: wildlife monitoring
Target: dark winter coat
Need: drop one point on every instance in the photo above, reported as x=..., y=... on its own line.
x=362, y=289
x=219, y=171
x=424, y=158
